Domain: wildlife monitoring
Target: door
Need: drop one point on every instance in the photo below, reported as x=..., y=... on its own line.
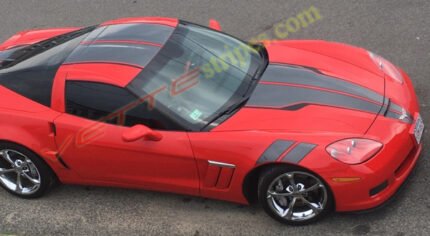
x=89, y=137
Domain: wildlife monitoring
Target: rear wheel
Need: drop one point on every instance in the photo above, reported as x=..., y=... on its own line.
x=293, y=196
x=23, y=173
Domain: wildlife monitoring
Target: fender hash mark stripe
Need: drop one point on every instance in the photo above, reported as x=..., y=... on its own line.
x=298, y=153
x=290, y=152
x=273, y=152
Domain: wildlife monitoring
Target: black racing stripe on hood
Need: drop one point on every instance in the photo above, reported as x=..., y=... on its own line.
x=407, y=118
x=285, y=96
x=397, y=109
x=394, y=111
x=308, y=77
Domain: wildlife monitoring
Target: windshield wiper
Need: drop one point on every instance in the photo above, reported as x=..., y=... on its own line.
x=264, y=56
x=231, y=109
x=237, y=105
x=255, y=78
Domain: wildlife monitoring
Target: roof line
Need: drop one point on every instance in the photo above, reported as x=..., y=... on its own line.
x=171, y=22
x=103, y=62
x=141, y=42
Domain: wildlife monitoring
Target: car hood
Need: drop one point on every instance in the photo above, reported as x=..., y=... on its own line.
x=338, y=60
x=313, y=86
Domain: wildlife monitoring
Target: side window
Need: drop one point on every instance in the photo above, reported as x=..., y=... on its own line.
x=110, y=104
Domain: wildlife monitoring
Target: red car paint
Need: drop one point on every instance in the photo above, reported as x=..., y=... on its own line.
x=29, y=37
x=180, y=161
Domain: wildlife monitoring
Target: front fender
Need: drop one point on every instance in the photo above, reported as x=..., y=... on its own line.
x=241, y=152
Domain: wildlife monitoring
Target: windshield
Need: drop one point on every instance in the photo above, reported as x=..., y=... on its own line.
x=197, y=75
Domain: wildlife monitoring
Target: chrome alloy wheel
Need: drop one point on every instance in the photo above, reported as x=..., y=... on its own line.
x=297, y=196
x=18, y=173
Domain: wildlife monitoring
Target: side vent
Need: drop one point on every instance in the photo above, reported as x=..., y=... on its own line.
x=62, y=161
x=53, y=128
x=219, y=175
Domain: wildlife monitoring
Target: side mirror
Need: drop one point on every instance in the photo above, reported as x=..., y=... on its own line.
x=141, y=132
x=214, y=24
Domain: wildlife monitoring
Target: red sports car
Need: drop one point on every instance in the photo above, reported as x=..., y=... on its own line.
x=304, y=127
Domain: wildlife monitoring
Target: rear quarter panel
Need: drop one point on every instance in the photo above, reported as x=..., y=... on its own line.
x=27, y=123
x=29, y=37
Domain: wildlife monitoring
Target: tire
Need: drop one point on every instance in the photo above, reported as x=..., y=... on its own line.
x=311, y=198
x=20, y=165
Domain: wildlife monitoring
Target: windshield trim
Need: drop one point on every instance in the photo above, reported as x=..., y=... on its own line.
x=247, y=83
x=236, y=102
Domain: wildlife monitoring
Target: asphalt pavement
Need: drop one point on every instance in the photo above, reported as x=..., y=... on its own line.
x=397, y=29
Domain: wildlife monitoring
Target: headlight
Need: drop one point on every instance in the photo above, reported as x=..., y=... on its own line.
x=387, y=67
x=354, y=150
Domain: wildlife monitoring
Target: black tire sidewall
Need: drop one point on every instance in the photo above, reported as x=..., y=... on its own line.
x=47, y=177
x=266, y=178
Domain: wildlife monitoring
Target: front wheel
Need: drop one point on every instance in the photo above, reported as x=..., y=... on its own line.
x=23, y=173
x=293, y=196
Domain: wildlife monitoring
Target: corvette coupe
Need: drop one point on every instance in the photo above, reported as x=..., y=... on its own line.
x=303, y=127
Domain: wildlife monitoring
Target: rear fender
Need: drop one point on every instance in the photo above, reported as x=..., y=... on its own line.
x=29, y=37
x=35, y=132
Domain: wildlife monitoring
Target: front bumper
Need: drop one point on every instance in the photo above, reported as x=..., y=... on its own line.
x=381, y=176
